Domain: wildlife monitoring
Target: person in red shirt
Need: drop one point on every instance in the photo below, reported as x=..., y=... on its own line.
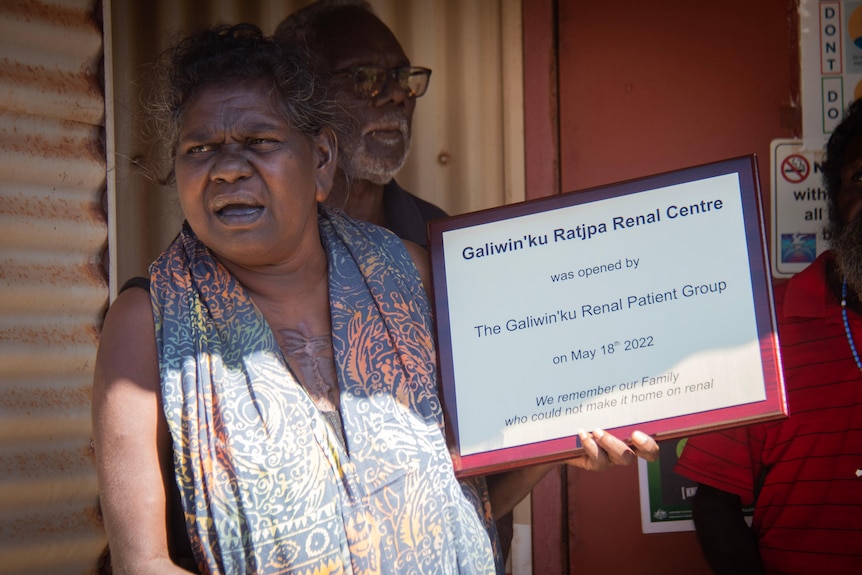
x=803, y=474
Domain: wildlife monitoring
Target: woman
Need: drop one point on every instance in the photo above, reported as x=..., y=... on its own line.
x=280, y=371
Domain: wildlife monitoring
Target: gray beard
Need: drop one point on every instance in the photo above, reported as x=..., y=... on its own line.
x=363, y=166
x=848, y=253
x=359, y=164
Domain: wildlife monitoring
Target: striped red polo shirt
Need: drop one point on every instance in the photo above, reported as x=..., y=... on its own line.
x=808, y=514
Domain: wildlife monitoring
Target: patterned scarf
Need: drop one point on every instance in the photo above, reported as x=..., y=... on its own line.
x=266, y=485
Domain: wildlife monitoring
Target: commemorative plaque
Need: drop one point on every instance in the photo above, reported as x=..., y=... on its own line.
x=640, y=305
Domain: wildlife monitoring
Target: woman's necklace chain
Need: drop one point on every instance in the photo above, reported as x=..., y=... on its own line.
x=847, y=323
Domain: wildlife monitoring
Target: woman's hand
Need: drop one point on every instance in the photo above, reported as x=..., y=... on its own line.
x=603, y=450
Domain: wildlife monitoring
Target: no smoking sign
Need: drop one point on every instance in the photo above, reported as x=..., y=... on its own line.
x=795, y=168
x=799, y=207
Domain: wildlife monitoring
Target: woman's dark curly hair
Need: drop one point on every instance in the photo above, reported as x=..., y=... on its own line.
x=236, y=55
x=849, y=128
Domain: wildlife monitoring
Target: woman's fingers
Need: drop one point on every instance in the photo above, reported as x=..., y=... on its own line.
x=617, y=451
x=645, y=446
x=603, y=450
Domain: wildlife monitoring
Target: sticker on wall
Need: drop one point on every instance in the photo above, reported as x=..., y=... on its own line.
x=665, y=497
x=830, y=42
x=799, y=207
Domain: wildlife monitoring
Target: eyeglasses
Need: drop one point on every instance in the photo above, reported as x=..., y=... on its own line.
x=370, y=81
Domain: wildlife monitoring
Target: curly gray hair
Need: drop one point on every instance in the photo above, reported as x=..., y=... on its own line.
x=239, y=54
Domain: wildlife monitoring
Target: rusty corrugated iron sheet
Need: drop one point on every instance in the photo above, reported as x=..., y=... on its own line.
x=53, y=289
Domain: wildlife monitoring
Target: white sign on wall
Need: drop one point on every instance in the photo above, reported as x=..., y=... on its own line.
x=799, y=207
x=831, y=60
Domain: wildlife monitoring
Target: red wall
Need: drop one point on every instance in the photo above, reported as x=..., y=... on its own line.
x=646, y=87
x=622, y=89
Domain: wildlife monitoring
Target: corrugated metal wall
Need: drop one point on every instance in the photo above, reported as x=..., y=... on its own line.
x=54, y=290
x=468, y=130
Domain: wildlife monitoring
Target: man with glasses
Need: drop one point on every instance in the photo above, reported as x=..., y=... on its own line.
x=377, y=86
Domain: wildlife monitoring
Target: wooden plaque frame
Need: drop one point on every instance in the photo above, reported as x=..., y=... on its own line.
x=605, y=246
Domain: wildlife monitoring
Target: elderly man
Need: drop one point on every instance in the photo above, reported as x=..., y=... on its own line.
x=378, y=88
x=804, y=473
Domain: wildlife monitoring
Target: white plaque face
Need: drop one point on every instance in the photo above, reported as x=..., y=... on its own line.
x=641, y=305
